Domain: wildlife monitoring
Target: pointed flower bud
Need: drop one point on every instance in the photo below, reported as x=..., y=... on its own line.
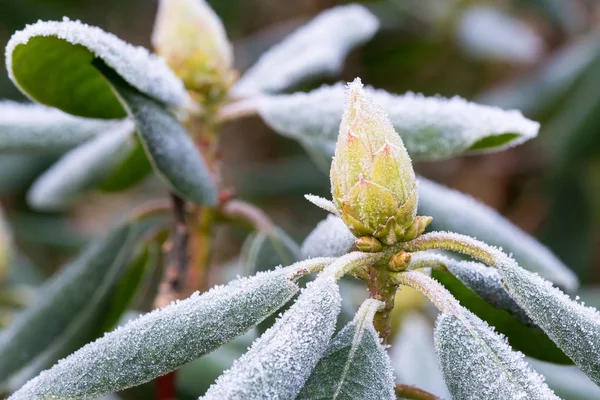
x=191, y=38
x=372, y=179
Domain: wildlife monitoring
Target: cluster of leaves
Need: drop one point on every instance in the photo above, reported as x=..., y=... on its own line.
x=121, y=114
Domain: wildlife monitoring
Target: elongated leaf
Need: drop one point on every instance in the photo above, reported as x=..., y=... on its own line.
x=281, y=360
x=51, y=62
x=319, y=48
x=457, y=212
x=488, y=302
x=33, y=128
x=331, y=238
x=484, y=32
x=62, y=298
x=432, y=128
x=572, y=326
x=173, y=154
x=355, y=365
x=81, y=169
x=166, y=339
x=413, y=356
x=478, y=363
x=266, y=250
x=131, y=171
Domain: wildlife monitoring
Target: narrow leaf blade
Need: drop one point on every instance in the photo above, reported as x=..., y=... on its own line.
x=355, y=365
x=171, y=151
x=166, y=339
x=51, y=62
x=328, y=38
x=281, y=360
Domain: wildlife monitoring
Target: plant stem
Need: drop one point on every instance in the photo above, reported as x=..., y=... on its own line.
x=414, y=393
x=173, y=284
x=248, y=213
x=382, y=288
x=238, y=109
x=165, y=387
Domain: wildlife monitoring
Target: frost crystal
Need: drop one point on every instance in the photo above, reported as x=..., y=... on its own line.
x=331, y=238
x=478, y=363
x=281, y=360
x=142, y=70
x=486, y=33
x=355, y=365
x=40, y=129
x=432, y=128
x=318, y=48
x=80, y=169
x=461, y=213
x=573, y=327
x=165, y=339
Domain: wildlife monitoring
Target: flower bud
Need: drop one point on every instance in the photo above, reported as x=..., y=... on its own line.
x=368, y=244
x=372, y=180
x=399, y=261
x=191, y=38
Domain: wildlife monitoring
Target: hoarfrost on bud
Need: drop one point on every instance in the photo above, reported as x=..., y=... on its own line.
x=191, y=37
x=372, y=180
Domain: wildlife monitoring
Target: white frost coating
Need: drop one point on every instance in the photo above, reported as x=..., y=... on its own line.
x=81, y=169
x=146, y=72
x=413, y=356
x=458, y=212
x=485, y=282
x=318, y=48
x=574, y=327
x=432, y=128
x=478, y=363
x=321, y=202
x=27, y=127
x=281, y=360
x=355, y=365
x=331, y=238
x=165, y=339
x=486, y=33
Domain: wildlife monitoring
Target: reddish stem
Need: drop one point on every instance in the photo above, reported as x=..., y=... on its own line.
x=165, y=387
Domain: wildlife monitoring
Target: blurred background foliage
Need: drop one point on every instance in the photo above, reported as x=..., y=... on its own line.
x=540, y=56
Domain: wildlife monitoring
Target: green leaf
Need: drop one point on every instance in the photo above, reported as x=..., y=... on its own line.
x=456, y=212
x=171, y=151
x=527, y=338
x=432, y=128
x=330, y=36
x=166, y=339
x=477, y=363
x=131, y=171
x=266, y=250
x=331, y=238
x=572, y=326
x=81, y=169
x=281, y=360
x=64, y=299
x=355, y=365
x=33, y=128
x=51, y=62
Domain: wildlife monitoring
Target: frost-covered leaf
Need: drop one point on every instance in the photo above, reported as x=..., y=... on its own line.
x=323, y=203
x=166, y=339
x=266, y=250
x=413, y=356
x=281, y=360
x=477, y=363
x=355, y=365
x=432, y=128
x=484, y=32
x=457, y=212
x=318, y=48
x=131, y=170
x=480, y=290
x=331, y=238
x=171, y=151
x=33, y=128
x=51, y=62
x=64, y=299
x=81, y=169
x=574, y=327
